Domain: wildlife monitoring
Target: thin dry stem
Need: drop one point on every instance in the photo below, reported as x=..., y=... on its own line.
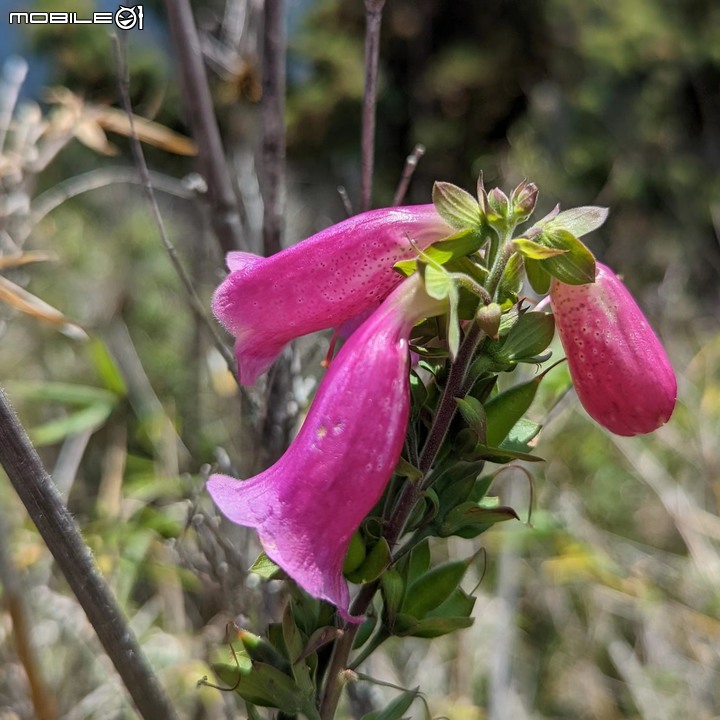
x=198, y=102
x=194, y=301
x=373, y=21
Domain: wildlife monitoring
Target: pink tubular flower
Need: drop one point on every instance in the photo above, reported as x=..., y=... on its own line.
x=321, y=282
x=619, y=367
x=308, y=504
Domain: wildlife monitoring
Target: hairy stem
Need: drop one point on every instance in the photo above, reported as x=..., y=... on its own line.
x=373, y=21
x=199, y=106
x=62, y=536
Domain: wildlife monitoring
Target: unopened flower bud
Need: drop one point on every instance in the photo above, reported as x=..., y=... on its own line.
x=523, y=199
x=499, y=202
x=488, y=318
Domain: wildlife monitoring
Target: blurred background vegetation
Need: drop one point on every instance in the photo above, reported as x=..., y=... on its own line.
x=608, y=605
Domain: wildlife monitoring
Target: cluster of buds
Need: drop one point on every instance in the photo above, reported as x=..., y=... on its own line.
x=395, y=268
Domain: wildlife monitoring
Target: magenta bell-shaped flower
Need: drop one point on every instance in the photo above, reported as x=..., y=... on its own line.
x=309, y=503
x=321, y=282
x=620, y=370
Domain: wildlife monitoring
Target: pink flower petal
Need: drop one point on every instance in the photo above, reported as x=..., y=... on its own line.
x=321, y=282
x=620, y=370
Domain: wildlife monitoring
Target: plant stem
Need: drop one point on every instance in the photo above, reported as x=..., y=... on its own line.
x=412, y=491
x=373, y=21
x=199, y=106
x=62, y=536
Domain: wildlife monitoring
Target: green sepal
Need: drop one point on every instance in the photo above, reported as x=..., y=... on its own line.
x=576, y=266
x=579, y=221
x=266, y=568
x=433, y=588
x=293, y=642
x=537, y=276
x=374, y=564
x=463, y=243
x=536, y=251
x=528, y=337
x=356, y=553
x=456, y=206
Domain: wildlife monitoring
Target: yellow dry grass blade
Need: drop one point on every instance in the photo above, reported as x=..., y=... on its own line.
x=14, y=296
x=8, y=262
x=147, y=131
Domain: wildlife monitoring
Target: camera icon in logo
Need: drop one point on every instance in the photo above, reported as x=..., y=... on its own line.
x=126, y=18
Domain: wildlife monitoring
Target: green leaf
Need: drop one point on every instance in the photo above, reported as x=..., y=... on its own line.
x=431, y=627
x=89, y=418
x=266, y=568
x=505, y=409
x=419, y=560
x=521, y=434
x=580, y=220
x=471, y=514
x=536, y=251
x=433, y=588
x=459, y=604
x=501, y=456
x=356, y=553
x=365, y=631
x=528, y=337
x=264, y=685
x=457, y=207
x=392, y=588
x=372, y=567
x=396, y=709
x=408, y=470
x=65, y=393
x=511, y=281
x=106, y=368
x=576, y=266
x=473, y=413
x=538, y=278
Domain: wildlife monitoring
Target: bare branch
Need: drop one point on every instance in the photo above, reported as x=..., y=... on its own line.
x=273, y=123
x=198, y=103
x=410, y=164
x=373, y=20
x=62, y=536
x=195, y=303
